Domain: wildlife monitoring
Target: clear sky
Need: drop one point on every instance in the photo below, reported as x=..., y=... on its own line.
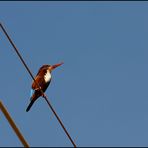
x=101, y=91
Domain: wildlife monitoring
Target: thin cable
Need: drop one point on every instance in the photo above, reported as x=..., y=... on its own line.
x=44, y=96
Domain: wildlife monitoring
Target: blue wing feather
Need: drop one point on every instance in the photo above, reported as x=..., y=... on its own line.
x=31, y=92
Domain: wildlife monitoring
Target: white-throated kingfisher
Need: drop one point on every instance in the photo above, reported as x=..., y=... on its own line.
x=43, y=78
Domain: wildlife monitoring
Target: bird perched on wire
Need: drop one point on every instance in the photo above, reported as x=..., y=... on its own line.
x=43, y=78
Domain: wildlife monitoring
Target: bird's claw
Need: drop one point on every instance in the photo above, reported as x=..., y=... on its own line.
x=43, y=95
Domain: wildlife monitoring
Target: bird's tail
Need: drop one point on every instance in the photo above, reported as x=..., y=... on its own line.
x=30, y=104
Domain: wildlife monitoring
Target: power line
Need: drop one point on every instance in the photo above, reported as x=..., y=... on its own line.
x=44, y=96
x=13, y=125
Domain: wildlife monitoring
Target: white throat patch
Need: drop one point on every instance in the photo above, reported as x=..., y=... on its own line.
x=47, y=76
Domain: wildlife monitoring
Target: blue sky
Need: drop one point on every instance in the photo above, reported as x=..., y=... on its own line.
x=101, y=91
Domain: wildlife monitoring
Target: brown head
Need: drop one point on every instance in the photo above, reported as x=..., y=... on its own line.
x=50, y=67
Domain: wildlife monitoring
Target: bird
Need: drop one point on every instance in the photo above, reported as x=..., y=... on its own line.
x=42, y=81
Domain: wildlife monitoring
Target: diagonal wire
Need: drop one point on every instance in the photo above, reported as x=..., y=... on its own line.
x=43, y=94
x=13, y=125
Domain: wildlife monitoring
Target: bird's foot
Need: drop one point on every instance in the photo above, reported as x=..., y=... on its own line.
x=43, y=95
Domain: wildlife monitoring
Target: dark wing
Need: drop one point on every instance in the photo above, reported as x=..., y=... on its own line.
x=40, y=81
x=37, y=93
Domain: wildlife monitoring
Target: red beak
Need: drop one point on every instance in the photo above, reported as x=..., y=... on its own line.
x=56, y=65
